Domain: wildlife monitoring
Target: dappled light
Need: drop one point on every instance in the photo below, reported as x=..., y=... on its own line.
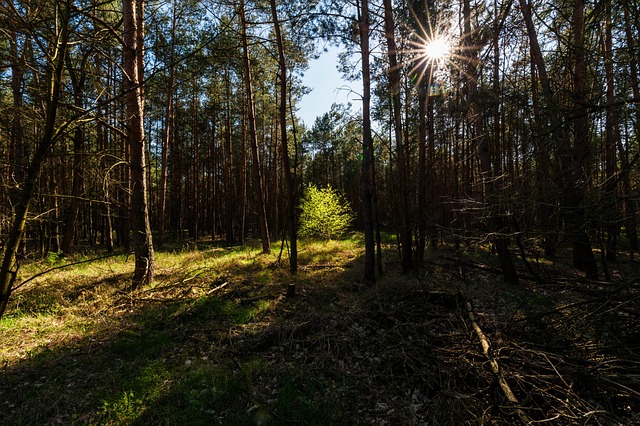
x=215, y=339
x=182, y=244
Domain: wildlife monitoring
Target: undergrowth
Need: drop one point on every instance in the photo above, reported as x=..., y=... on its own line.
x=214, y=340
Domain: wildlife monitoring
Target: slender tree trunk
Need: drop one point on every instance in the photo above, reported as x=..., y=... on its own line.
x=631, y=221
x=24, y=195
x=487, y=170
x=288, y=178
x=168, y=132
x=77, y=82
x=17, y=155
x=573, y=196
x=51, y=228
x=175, y=174
x=422, y=174
x=132, y=70
x=195, y=190
x=583, y=257
x=612, y=140
x=242, y=178
x=426, y=176
x=394, y=80
x=229, y=190
x=367, y=149
x=107, y=227
x=253, y=139
x=16, y=142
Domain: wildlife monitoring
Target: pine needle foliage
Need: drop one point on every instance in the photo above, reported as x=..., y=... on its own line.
x=324, y=213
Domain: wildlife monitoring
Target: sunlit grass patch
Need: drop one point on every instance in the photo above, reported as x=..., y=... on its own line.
x=318, y=252
x=246, y=314
x=153, y=355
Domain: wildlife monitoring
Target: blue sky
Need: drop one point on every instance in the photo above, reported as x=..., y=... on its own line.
x=324, y=78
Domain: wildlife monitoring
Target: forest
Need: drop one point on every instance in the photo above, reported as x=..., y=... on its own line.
x=458, y=246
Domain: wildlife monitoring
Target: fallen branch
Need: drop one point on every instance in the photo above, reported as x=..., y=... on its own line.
x=61, y=267
x=495, y=367
x=221, y=286
x=554, y=310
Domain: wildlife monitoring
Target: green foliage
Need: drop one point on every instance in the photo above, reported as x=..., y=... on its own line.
x=53, y=258
x=325, y=213
x=124, y=410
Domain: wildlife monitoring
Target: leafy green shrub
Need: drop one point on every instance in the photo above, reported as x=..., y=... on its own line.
x=324, y=213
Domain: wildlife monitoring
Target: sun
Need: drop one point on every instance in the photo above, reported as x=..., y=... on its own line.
x=433, y=50
x=437, y=49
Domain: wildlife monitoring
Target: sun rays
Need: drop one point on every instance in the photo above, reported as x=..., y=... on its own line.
x=437, y=49
x=436, y=52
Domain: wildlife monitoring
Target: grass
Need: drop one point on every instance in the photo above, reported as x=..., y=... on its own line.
x=79, y=348
x=215, y=341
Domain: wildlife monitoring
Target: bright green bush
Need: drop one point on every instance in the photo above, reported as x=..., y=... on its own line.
x=324, y=213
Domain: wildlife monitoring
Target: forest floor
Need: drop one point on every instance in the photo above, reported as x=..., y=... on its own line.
x=216, y=341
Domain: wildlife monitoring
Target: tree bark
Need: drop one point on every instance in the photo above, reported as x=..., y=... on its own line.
x=253, y=138
x=288, y=178
x=16, y=138
x=195, y=186
x=24, y=192
x=132, y=71
x=16, y=141
x=573, y=196
x=367, y=149
x=77, y=82
x=583, y=257
x=230, y=206
x=168, y=132
x=394, y=80
x=630, y=207
x=421, y=236
x=488, y=171
x=612, y=140
x=107, y=226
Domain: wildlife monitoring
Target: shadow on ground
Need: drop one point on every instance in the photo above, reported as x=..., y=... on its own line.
x=234, y=350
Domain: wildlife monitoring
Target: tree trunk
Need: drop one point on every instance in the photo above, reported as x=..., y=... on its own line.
x=573, y=196
x=229, y=190
x=24, y=195
x=394, y=80
x=630, y=203
x=195, y=186
x=367, y=150
x=77, y=82
x=17, y=152
x=492, y=198
x=288, y=178
x=253, y=139
x=132, y=70
x=167, y=135
x=612, y=140
x=422, y=173
x=107, y=227
x=583, y=257
x=242, y=182
x=16, y=141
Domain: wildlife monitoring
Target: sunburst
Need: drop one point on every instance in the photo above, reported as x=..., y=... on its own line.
x=435, y=51
x=430, y=51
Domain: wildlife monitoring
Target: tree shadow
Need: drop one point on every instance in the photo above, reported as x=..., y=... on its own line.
x=338, y=353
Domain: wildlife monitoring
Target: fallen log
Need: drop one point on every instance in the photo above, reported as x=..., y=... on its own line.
x=495, y=368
